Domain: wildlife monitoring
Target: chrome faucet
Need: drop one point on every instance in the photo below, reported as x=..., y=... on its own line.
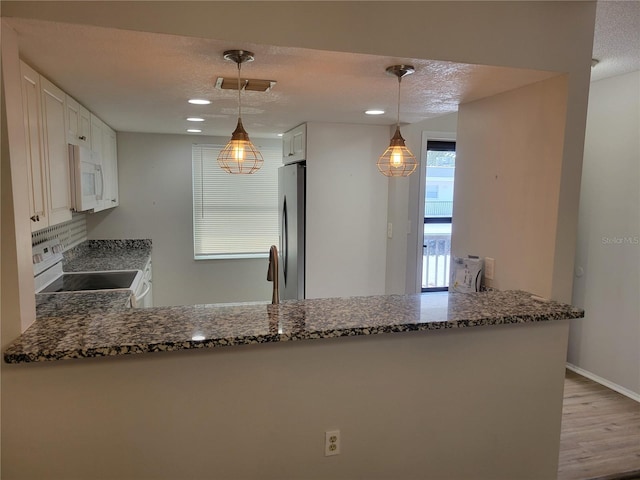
x=272, y=274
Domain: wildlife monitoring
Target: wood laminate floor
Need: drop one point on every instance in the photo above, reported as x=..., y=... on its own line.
x=600, y=432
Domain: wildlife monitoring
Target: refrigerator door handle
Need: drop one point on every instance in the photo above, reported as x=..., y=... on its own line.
x=285, y=239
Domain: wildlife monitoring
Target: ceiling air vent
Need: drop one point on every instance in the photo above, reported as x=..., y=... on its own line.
x=250, y=84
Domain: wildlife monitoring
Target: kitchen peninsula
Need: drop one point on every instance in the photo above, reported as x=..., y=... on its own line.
x=420, y=386
x=100, y=331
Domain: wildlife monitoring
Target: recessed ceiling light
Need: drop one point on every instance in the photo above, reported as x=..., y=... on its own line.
x=195, y=119
x=281, y=134
x=199, y=101
x=374, y=112
x=194, y=130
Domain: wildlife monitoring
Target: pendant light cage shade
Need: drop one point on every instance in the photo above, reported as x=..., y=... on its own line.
x=240, y=156
x=397, y=160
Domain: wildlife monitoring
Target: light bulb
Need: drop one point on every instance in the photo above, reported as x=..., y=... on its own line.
x=238, y=152
x=397, y=159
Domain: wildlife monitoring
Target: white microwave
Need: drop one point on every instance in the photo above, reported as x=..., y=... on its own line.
x=87, y=180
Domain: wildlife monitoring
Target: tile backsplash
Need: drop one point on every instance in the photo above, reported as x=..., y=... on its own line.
x=69, y=233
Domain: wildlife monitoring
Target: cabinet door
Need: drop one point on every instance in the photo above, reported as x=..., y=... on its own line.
x=56, y=151
x=295, y=144
x=113, y=168
x=36, y=171
x=109, y=167
x=96, y=133
x=84, y=125
x=78, y=123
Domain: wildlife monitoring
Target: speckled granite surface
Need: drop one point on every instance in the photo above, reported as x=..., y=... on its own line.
x=96, y=255
x=79, y=303
x=98, y=333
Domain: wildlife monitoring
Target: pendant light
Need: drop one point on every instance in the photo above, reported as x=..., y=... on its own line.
x=240, y=156
x=397, y=160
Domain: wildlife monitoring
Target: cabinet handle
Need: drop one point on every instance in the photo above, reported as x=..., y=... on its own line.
x=290, y=155
x=113, y=200
x=35, y=218
x=82, y=137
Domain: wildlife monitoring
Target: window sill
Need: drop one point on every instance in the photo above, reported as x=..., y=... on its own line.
x=231, y=256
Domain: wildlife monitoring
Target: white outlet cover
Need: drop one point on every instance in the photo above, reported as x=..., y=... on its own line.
x=331, y=443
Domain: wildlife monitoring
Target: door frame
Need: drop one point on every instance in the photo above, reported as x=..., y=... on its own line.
x=426, y=137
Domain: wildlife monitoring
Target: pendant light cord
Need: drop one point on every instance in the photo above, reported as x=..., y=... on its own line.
x=398, y=122
x=239, y=97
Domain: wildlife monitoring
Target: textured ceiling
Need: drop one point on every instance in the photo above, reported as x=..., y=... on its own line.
x=140, y=82
x=616, y=40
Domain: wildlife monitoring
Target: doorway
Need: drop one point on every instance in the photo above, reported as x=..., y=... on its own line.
x=438, y=212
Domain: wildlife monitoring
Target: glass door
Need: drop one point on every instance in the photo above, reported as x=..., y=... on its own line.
x=438, y=211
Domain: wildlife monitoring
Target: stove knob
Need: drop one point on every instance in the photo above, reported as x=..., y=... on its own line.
x=37, y=258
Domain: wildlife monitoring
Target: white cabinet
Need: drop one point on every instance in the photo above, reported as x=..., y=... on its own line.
x=36, y=168
x=103, y=141
x=52, y=120
x=78, y=123
x=294, y=147
x=148, y=279
x=110, y=167
x=56, y=153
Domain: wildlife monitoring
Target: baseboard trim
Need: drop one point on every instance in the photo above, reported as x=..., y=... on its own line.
x=603, y=381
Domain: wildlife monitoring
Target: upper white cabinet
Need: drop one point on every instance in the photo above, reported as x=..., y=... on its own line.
x=52, y=121
x=49, y=183
x=36, y=169
x=110, y=146
x=294, y=147
x=78, y=123
x=56, y=152
x=103, y=141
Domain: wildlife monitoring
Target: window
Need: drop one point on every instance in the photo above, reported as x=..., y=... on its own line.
x=438, y=210
x=234, y=216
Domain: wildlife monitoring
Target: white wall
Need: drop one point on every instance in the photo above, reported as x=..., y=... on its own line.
x=154, y=175
x=346, y=217
x=507, y=182
x=607, y=341
x=17, y=272
x=346, y=210
x=439, y=404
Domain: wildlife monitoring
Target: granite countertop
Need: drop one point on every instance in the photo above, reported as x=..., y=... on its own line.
x=79, y=303
x=97, y=255
x=108, y=333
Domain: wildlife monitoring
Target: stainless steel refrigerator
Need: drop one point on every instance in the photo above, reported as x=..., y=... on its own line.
x=292, y=200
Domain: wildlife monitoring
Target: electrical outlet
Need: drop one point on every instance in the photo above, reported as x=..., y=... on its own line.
x=489, y=268
x=331, y=443
x=389, y=230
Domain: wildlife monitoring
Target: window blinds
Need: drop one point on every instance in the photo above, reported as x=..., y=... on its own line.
x=234, y=216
